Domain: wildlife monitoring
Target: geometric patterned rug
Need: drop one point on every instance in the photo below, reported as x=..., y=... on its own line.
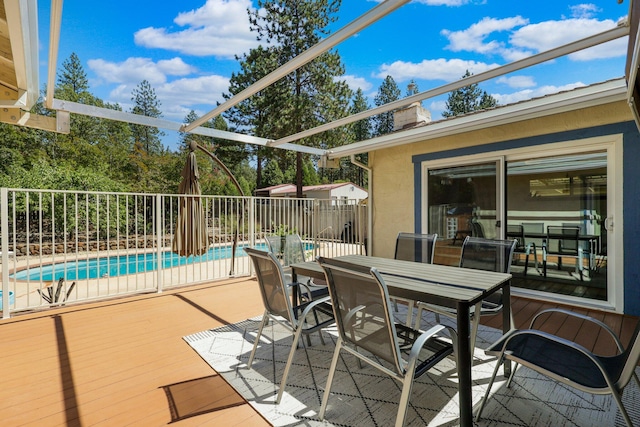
x=366, y=397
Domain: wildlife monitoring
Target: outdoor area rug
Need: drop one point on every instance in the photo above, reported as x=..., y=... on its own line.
x=366, y=397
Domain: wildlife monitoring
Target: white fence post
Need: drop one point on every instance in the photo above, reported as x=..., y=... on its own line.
x=159, y=241
x=252, y=221
x=4, y=214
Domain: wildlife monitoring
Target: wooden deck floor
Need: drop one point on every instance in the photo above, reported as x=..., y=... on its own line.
x=120, y=362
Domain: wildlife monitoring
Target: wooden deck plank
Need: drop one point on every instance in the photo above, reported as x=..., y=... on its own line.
x=113, y=362
x=110, y=363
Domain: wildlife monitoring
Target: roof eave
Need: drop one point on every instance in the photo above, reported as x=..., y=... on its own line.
x=599, y=94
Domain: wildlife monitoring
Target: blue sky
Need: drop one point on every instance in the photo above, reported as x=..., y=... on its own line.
x=187, y=49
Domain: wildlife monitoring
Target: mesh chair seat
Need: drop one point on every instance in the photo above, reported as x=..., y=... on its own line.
x=568, y=362
x=366, y=329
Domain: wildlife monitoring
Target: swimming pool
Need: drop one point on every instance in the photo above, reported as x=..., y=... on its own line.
x=121, y=265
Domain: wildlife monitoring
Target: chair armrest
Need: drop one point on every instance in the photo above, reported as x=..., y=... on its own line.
x=441, y=349
x=597, y=322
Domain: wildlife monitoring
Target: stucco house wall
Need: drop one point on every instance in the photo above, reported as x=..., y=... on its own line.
x=396, y=173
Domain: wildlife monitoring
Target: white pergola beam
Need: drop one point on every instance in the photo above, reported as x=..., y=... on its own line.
x=107, y=113
x=475, y=78
x=54, y=42
x=22, y=22
x=363, y=21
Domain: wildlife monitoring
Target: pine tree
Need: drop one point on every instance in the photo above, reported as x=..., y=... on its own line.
x=388, y=92
x=147, y=138
x=82, y=146
x=468, y=99
x=310, y=95
x=73, y=78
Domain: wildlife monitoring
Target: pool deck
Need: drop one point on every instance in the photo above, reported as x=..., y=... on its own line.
x=111, y=363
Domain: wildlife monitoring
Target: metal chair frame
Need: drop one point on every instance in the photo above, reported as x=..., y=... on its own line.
x=610, y=374
x=385, y=340
x=278, y=307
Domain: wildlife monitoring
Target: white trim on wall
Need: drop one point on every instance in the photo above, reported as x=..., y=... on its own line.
x=615, y=245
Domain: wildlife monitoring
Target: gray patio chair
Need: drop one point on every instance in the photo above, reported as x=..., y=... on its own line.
x=274, y=243
x=524, y=247
x=293, y=252
x=481, y=254
x=563, y=241
x=366, y=330
x=305, y=318
x=568, y=362
x=418, y=248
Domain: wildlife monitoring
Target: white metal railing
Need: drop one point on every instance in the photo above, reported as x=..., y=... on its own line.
x=110, y=244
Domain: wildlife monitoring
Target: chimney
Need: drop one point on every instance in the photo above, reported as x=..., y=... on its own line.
x=410, y=116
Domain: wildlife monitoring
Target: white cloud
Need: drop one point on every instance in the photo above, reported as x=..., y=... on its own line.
x=219, y=28
x=205, y=90
x=435, y=69
x=584, y=10
x=138, y=69
x=355, y=83
x=550, y=34
x=505, y=99
x=473, y=38
x=517, y=81
x=173, y=81
x=525, y=39
x=175, y=67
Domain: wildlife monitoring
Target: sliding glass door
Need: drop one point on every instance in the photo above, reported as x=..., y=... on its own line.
x=556, y=203
x=462, y=201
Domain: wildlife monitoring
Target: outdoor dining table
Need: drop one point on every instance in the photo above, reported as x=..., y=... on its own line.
x=458, y=288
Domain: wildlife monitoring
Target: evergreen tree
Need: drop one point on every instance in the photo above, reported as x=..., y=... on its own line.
x=388, y=92
x=362, y=131
x=255, y=114
x=88, y=136
x=73, y=79
x=147, y=138
x=310, y=95
x=468, y=99
x=272, y=175
x=358, y=131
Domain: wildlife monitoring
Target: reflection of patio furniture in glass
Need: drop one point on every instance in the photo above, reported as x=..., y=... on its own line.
x=561, y=242
x=516, y=231
x=568, y=362
x=477, y=230
x=306, y=318
x=474, y=229
x=480, y=254
x=366, y=329
x=417, y=248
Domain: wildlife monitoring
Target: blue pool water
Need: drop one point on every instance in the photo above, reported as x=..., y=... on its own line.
x=122, y=265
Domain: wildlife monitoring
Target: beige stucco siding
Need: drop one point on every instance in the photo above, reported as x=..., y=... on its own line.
x=393, y=170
